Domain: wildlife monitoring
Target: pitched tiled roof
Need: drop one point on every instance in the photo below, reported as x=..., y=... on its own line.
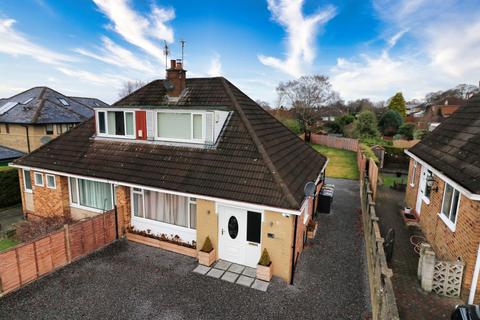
x=454, y=146
x=90, y=102
x=9, y=153
x=41, y=105
x=256, y=160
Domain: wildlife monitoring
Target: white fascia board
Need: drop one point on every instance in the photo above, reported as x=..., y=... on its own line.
x=463, y=190
x=219, y=200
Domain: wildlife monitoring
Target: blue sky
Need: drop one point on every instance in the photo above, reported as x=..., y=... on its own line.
x=368, y=48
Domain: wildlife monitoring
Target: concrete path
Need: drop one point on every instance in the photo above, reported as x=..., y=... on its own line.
x=412, y=301
x=132, y=281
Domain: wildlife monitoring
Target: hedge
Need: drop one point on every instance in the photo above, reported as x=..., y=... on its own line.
x=10, y=187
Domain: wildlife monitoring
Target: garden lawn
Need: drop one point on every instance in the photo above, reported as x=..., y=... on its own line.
x=6, y=243
x=389, y=180
x=341, y=163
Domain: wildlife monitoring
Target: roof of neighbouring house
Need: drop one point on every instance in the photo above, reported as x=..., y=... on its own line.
x=454, y=146
x=42, y=105
x=90, y=102
x=257, y=159
x=9, y=153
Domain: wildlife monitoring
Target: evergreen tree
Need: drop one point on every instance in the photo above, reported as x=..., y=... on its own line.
x=397, y=103
x=365, y=127
x=390, y=122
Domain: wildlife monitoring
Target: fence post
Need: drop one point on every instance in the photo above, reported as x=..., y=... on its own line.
x=67, y=242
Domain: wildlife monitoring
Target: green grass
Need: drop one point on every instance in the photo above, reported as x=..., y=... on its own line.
x=389, y=180
x=341, y=163
x=4, y=167
x=6, y=243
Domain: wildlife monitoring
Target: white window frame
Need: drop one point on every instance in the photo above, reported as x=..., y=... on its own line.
x=54, y=181
x=106, y=134
x=191, y=113
x=446, y=219
x=78, y=205
x=46, y=129
x=37, y=183
x=174, y=226
x=25, y=183
x=414, y=172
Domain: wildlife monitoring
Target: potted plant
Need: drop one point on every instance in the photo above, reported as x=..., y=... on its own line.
x=264, y=267
x=206, y=255
x=312, y=229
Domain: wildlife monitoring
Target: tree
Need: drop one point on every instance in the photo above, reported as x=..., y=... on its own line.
x=365, y=126
x=407, y=130
x=130, y=86
x=305, y=94
x=397, y=103
x=390, y=122
x=265, y=105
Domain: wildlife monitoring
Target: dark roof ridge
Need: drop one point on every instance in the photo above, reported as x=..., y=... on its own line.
x=40, y=107
x=290, y=198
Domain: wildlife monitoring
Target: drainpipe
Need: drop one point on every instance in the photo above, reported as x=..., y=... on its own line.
x=28, y=138
x=293, y=249
x=473, y=288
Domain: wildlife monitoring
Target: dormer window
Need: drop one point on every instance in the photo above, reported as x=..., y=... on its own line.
x=181, y=126
x=116, y=124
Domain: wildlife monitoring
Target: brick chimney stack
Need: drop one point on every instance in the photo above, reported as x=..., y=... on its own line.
x=177, y=76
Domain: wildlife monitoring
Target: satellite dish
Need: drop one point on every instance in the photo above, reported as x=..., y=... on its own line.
x=309, y=189
x=169, y=86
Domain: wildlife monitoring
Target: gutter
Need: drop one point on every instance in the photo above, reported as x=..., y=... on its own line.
x=463, y=190
x=294, y=247
x=28, y=138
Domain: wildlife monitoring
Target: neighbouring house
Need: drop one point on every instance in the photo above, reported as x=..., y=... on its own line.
x=428, y=116
x=32, y=118
x=184, y=159
x=444, y=191
x=330, y=113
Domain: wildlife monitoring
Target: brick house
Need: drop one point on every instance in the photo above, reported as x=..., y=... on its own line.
x=444, y=191
x=35, y=116
x=187, y=159
x=429, y=116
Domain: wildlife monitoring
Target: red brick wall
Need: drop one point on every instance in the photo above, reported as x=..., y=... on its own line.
x=123, y=208
x=50, y=202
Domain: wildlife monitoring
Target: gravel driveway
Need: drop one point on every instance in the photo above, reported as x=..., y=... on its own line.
x=133, y=281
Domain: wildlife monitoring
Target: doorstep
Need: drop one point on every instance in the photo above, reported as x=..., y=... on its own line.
x=233, y=273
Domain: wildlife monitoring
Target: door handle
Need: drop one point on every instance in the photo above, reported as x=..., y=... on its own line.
x=222, y=231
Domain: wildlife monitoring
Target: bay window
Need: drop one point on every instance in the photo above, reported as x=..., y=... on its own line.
x=116, y=123
x=91, y=194
x=180, y=126
x=162, y=207
x=450, y=204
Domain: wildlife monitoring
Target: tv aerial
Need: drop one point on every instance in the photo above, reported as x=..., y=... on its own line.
x=166, y=52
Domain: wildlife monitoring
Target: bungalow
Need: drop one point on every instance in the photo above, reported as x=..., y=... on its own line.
x=444, y=191
x=35, y=116
x=184, y=159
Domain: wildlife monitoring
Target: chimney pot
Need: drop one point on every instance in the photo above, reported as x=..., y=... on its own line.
x=179, y=64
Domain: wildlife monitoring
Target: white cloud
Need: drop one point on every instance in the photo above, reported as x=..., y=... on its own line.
x=215, y=69
x=141, y=31
x=301, y=33
x=443, y=53
x=99, y=79
x=114, y=54
x=15, y=43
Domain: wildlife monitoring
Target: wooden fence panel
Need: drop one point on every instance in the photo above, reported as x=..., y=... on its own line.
x=43, y=256
x=99, y=232
x=335, y=142
x=9, y=273
x=59, y=251
x=88, y=237
x=27, y=263
x=76, y=242
x=109, y=224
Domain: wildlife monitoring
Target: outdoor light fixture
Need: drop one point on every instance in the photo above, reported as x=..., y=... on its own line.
x=432, y=183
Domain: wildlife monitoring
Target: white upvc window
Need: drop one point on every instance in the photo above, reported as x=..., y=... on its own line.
x=450, y=205
x=180, y=126
x=27, y=180
x=51, y=181
x=116, y=123
x=414, y=172
x=90, y=194
x=165, y=208
x=38, y=177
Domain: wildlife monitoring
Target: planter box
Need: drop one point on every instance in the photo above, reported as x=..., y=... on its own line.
x=162, y=244
x=206, y=258
x=264, y=273
x=311, y=234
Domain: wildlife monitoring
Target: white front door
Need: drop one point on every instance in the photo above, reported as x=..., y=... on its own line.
x=421, y=189
x=233, y=245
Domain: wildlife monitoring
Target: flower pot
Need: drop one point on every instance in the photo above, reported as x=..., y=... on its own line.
x=206, y=258
x=264, y=272
x=311, y=233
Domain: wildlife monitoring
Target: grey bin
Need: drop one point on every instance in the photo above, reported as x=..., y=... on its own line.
x=325, y=199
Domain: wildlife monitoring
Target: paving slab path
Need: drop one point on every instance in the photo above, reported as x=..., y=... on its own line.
x=133, y=281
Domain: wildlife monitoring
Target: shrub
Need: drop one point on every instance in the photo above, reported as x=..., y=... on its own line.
x=33, y=229
x=419, y=134
x=265, y=259
x=376, y=141
x=390, y=122
x=406, y=130
x=366, y=126
x=207, y=245
x=368, y=152
x=10, y=193
x=292, y=124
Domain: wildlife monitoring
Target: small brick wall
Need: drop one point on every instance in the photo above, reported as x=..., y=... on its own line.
x=29, y=261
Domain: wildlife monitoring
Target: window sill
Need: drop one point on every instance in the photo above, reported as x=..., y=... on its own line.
x=116, y=136
x=78, y=206
x=447, y=222
x=28, y=191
